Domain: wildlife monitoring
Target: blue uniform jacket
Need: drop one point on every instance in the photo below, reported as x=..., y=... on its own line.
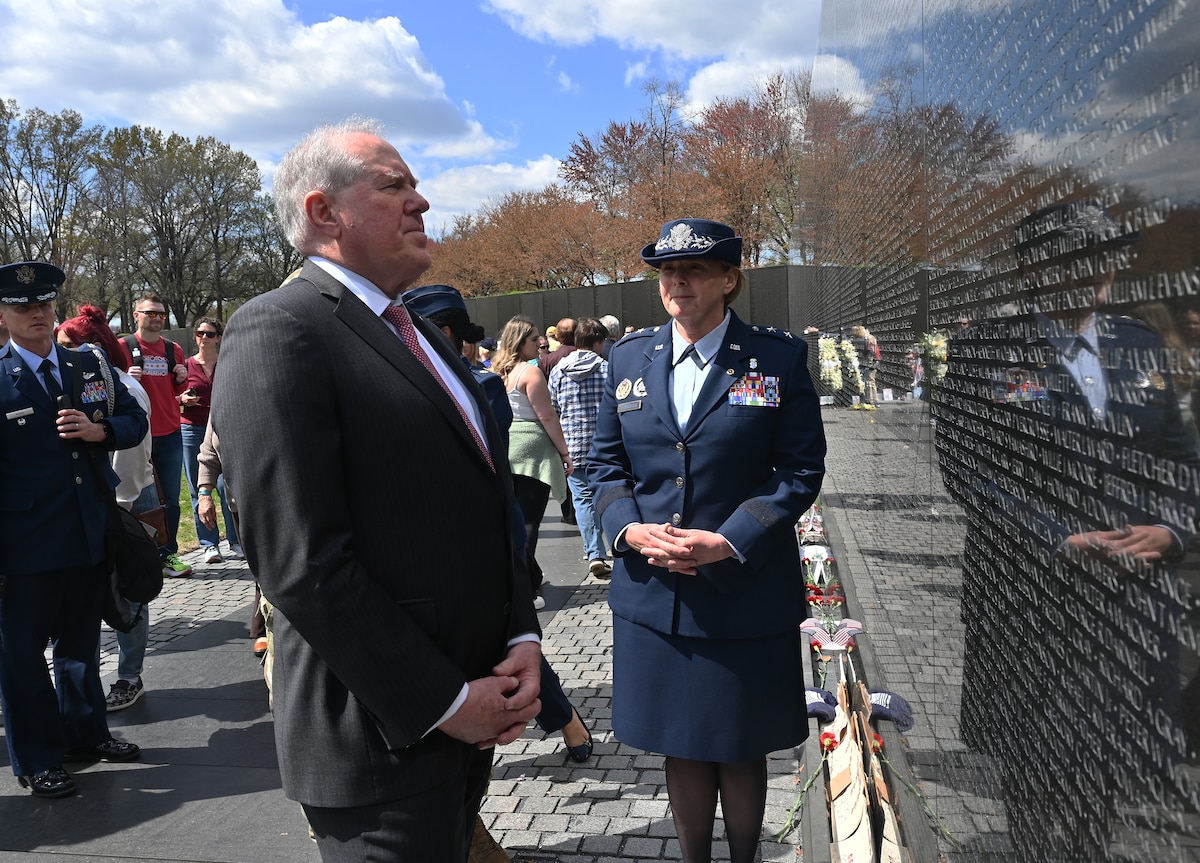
x=53, y=509
x=746, y=471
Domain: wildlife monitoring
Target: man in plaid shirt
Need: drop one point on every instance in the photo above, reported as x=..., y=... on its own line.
x=576, y=388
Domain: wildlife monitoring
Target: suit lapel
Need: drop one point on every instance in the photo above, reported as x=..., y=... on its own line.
x=369, y=327
x=72, y=380
x=25, y=380
x=442, y=345
x=656, y=378
x=728, y=366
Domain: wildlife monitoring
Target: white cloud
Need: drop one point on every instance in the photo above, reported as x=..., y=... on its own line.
x=566, y=84
x=735, y=77
x=757, y=39
x=703, y=28
x=636, y=71
x=245, y=71
x=459, y=191
x=475, y=144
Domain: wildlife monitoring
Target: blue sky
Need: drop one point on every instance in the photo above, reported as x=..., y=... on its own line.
x=480, y=96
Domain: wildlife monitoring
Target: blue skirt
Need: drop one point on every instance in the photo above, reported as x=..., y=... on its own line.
x=707, y=700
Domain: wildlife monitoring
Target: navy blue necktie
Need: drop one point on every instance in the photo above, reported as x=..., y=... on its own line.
x=52, y=387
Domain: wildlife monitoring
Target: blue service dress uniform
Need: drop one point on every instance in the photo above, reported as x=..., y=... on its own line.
x=707, y=667
x=53, y=514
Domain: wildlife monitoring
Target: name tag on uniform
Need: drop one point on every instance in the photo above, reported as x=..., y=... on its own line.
x=635, y=405
x=16, y=415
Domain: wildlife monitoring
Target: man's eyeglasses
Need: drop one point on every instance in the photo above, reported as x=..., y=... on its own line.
x=207, y=334
x=150, y=314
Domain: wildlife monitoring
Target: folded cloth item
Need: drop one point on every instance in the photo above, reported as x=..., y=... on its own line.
x=889, y=705
x=821, y=703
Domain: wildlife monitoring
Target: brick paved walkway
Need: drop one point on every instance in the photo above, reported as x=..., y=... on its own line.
x=207, y=788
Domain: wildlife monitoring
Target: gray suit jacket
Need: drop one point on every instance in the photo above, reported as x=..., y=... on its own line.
x=351, y=464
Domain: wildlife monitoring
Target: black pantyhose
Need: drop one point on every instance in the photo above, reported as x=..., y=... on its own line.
x=693, y=788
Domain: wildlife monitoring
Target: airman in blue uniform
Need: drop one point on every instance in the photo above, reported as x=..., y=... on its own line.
x=709, y=447
x=58, y=421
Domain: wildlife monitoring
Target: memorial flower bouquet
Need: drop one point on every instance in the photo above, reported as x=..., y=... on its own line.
x=831, y=366
x=854, y=381
x=933, y=347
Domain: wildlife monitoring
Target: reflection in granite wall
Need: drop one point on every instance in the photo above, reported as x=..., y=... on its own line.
x=1016, y=186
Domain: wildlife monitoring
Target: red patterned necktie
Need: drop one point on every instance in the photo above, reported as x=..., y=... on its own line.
x=398, y=317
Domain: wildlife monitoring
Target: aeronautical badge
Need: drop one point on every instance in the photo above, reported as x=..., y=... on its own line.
x=87, y=376
x=1019, y=385
x=755, y=390
x=94, y=391
x=623, y=388
x=639, y=388
x=98, y=415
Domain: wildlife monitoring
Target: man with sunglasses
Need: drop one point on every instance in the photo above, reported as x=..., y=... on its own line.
x=157, y=364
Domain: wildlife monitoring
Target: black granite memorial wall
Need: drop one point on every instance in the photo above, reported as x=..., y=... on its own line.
x=1015, y=186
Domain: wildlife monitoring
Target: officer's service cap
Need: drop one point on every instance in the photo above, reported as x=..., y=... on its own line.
x=29, y=282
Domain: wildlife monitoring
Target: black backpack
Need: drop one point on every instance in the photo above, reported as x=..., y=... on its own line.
x=134, y=566
x=135, y=351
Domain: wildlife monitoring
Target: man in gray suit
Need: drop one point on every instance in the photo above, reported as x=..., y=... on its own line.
x=406, y=644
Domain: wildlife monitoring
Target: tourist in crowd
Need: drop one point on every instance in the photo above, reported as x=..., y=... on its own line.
x=197, y=401
x=537, y=450
x=136, y=491
x=576, y=389
x=157, y=363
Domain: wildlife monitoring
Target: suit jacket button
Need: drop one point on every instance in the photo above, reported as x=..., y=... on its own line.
x=676, y=518
x=678, y=482
x=679, y=447
x=78, y=480
x=74, y=455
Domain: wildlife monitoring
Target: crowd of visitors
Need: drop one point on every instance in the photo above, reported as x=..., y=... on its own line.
x=351, y=345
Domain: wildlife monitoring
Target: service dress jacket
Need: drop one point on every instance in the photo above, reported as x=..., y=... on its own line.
x=54, y=493
x=747, y=466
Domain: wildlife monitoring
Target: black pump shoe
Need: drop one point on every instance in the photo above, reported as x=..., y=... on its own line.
x=52, y=782
x=581, y=753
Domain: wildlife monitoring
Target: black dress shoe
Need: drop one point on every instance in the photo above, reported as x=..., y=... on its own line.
x=110, y=750
x=52, y=782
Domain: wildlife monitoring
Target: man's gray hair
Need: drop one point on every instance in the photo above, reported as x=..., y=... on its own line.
x=614, y=325
x=321, y=161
